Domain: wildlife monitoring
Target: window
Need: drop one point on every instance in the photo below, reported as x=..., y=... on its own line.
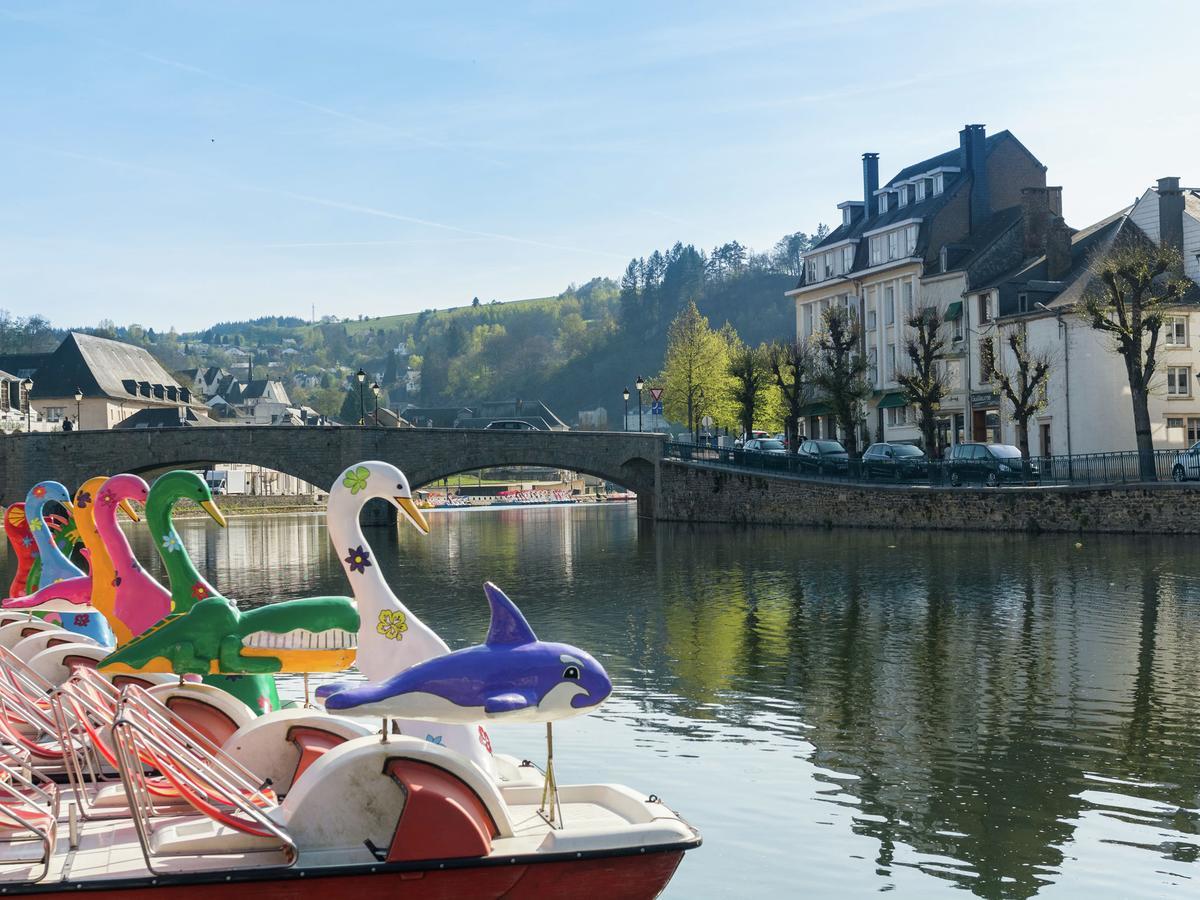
x=55, y=413
x=906, y=294
x=893, y=240
x=847, y=259
x=1179, y=381
x=1175, y=329
x=958, y=328
x=1174, y=423
x=828, y=265
x=985, y=311
x=846, y=216
x=920, y=190
x=891, y=362
x=902, y=196
x=873, y=365
x=910, y=239
x=883, y=203
x=876, y=250
x=1193, y=429
x=871, y=323
x=889, y=305
x=939, y=183
x=898, y=415
x=987, y=359
x=808, y=320
x=812, y=270
x=1023, y=302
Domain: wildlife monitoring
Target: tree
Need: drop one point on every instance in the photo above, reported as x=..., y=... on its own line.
x=751, y=378
x=925, y=382
x=841, y=372
x=1132, y=288
x=475, y=302
x=695, y=372
x=1024, y=387
x=791, y=365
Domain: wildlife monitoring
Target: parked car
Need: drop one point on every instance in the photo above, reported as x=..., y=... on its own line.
x=752, y=436
x=765, y=445
x=781, y=437
x=824, y=456
x=990, y=464
x=1187, y=463
x=895, y=460
x=509, y=425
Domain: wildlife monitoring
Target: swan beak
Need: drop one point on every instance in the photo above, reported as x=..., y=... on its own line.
x=415, y=515
x=211, y=509
x=130, y=511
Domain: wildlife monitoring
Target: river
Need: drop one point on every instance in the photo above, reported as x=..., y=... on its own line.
x=840, y=713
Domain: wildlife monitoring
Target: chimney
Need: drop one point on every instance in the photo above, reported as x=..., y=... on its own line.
x=974, y=163
x=250, y=369
x=1035, y=216
x=1170, y=213
x=1058, y=249
x=870, y=182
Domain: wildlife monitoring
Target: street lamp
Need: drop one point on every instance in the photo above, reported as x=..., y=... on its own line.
x=27, y=384
x=625, y=422
x=362, y=404
x=375, y=390
x=639, y=384
x=78, y=401
x=699, y=407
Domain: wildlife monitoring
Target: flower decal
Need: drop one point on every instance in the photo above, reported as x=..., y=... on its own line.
x=392, y=624
x=484, y=739
x=39, y=491
x=171, y=543
x=434, y=740
x=82, y=499
x=356, y=479
x=81, y=620
x=359, y=559
x=108, y=497
x=16, y=514
x=199, y=591
x=26, y=542
x=35, y=525
x=116, y=582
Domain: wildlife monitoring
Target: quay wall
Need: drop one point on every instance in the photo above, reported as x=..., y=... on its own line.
x=695, y=493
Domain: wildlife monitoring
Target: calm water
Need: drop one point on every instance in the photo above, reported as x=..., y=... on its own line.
x=839, y=713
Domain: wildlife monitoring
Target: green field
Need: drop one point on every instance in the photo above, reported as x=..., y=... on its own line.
x=388, y=323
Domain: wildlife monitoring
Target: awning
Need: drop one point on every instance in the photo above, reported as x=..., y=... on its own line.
x=815, y=409
x=893, y=401
x=953, y=311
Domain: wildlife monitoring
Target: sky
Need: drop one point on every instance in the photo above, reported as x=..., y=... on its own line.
x=180, y=163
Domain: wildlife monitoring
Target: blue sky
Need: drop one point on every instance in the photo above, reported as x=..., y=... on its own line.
x=180, y=163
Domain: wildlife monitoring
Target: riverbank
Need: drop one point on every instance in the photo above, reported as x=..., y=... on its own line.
x=238, y=505
x=696, y=493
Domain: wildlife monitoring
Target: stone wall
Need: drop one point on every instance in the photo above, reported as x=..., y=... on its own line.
x=691, y=493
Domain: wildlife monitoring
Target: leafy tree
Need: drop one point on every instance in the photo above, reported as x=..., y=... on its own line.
x=787, y=256
x=924, y=382
x=841, y=372
x=1024, y=386
x=475, y=302
x=751, y=380
x=791, y=365
x=1133, y=286
x=695, y=372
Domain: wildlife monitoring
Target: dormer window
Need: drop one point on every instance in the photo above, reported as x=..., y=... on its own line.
x=847, y=259
x=812, y=271
x=828, y=265
x=902, y=196
x=883, y=203
x=920, y=190
x=939, y=183
x=846, y=216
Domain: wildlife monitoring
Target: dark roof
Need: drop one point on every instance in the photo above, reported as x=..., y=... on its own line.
x=163, y=417
x=442, y=416
x=951, y=158
x=23, y=365
x=212, y=372
x=102, y=367
x=993, y=228
x=259, y=387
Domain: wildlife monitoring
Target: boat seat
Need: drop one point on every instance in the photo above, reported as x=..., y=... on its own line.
x=28, y=647
x=210, y=710
x=13, y=632
x=201, y=836
x=55, y=664
x=313, y=743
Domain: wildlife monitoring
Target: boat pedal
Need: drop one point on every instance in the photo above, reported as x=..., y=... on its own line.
x=73, y=826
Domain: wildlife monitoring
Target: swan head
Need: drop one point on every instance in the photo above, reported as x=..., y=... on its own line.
x=121, y=488
x=49, y=491
x=182, y=484
x=374, y=479
x=88, y=492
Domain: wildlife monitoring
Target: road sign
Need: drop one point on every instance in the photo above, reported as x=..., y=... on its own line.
x=706, y=421
x=656, y=394
x=656, y=408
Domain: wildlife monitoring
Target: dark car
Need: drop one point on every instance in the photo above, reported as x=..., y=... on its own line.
x=990, y=464
x=895, y=460
x=509, y=425
x=824, y=456
x=765, y=445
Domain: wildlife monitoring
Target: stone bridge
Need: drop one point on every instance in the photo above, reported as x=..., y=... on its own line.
x=319, y=454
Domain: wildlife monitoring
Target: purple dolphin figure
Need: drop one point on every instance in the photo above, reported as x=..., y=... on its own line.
x=512, y=676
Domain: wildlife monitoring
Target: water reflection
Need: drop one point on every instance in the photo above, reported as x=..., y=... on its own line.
x=839, y=712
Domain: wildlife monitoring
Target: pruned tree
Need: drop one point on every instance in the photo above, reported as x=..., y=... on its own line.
x=1023, y=385
x=791, y=364
x=751, y=377
x=695, y=374
x=924, y=382
x=841, y=372
x=1133, y=286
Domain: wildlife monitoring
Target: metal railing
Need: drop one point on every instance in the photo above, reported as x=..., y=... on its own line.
x=1080, y=469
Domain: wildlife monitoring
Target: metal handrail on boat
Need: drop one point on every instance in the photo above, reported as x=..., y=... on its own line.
x=145, y=731
x=19, y=807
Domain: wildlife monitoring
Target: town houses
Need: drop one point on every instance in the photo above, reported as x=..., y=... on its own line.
x=976, y=234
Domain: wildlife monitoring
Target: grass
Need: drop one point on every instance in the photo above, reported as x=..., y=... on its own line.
x=389, y=323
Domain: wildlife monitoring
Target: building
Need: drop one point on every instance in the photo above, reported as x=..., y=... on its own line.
x=99, y=381
x=16, y=413
x=1087, y=407
x=916, y=242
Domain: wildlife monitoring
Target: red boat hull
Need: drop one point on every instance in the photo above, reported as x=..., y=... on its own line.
x=639, y=877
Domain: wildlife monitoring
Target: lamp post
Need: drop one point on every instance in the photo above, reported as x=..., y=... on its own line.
x=27, y=385
x=362, y=404
x=639, y=384
x=375, y=390
x=699, y=410
x=78, y=402
x=625, y=421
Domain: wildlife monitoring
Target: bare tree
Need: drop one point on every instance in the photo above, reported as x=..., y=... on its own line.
x=791, y=364
x=841, y=372
x=1133, y=287
x=750, y=372
x=1024, y=386
x=925, y=381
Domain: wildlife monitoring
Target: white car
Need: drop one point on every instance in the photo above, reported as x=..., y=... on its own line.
x=1187, y=463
